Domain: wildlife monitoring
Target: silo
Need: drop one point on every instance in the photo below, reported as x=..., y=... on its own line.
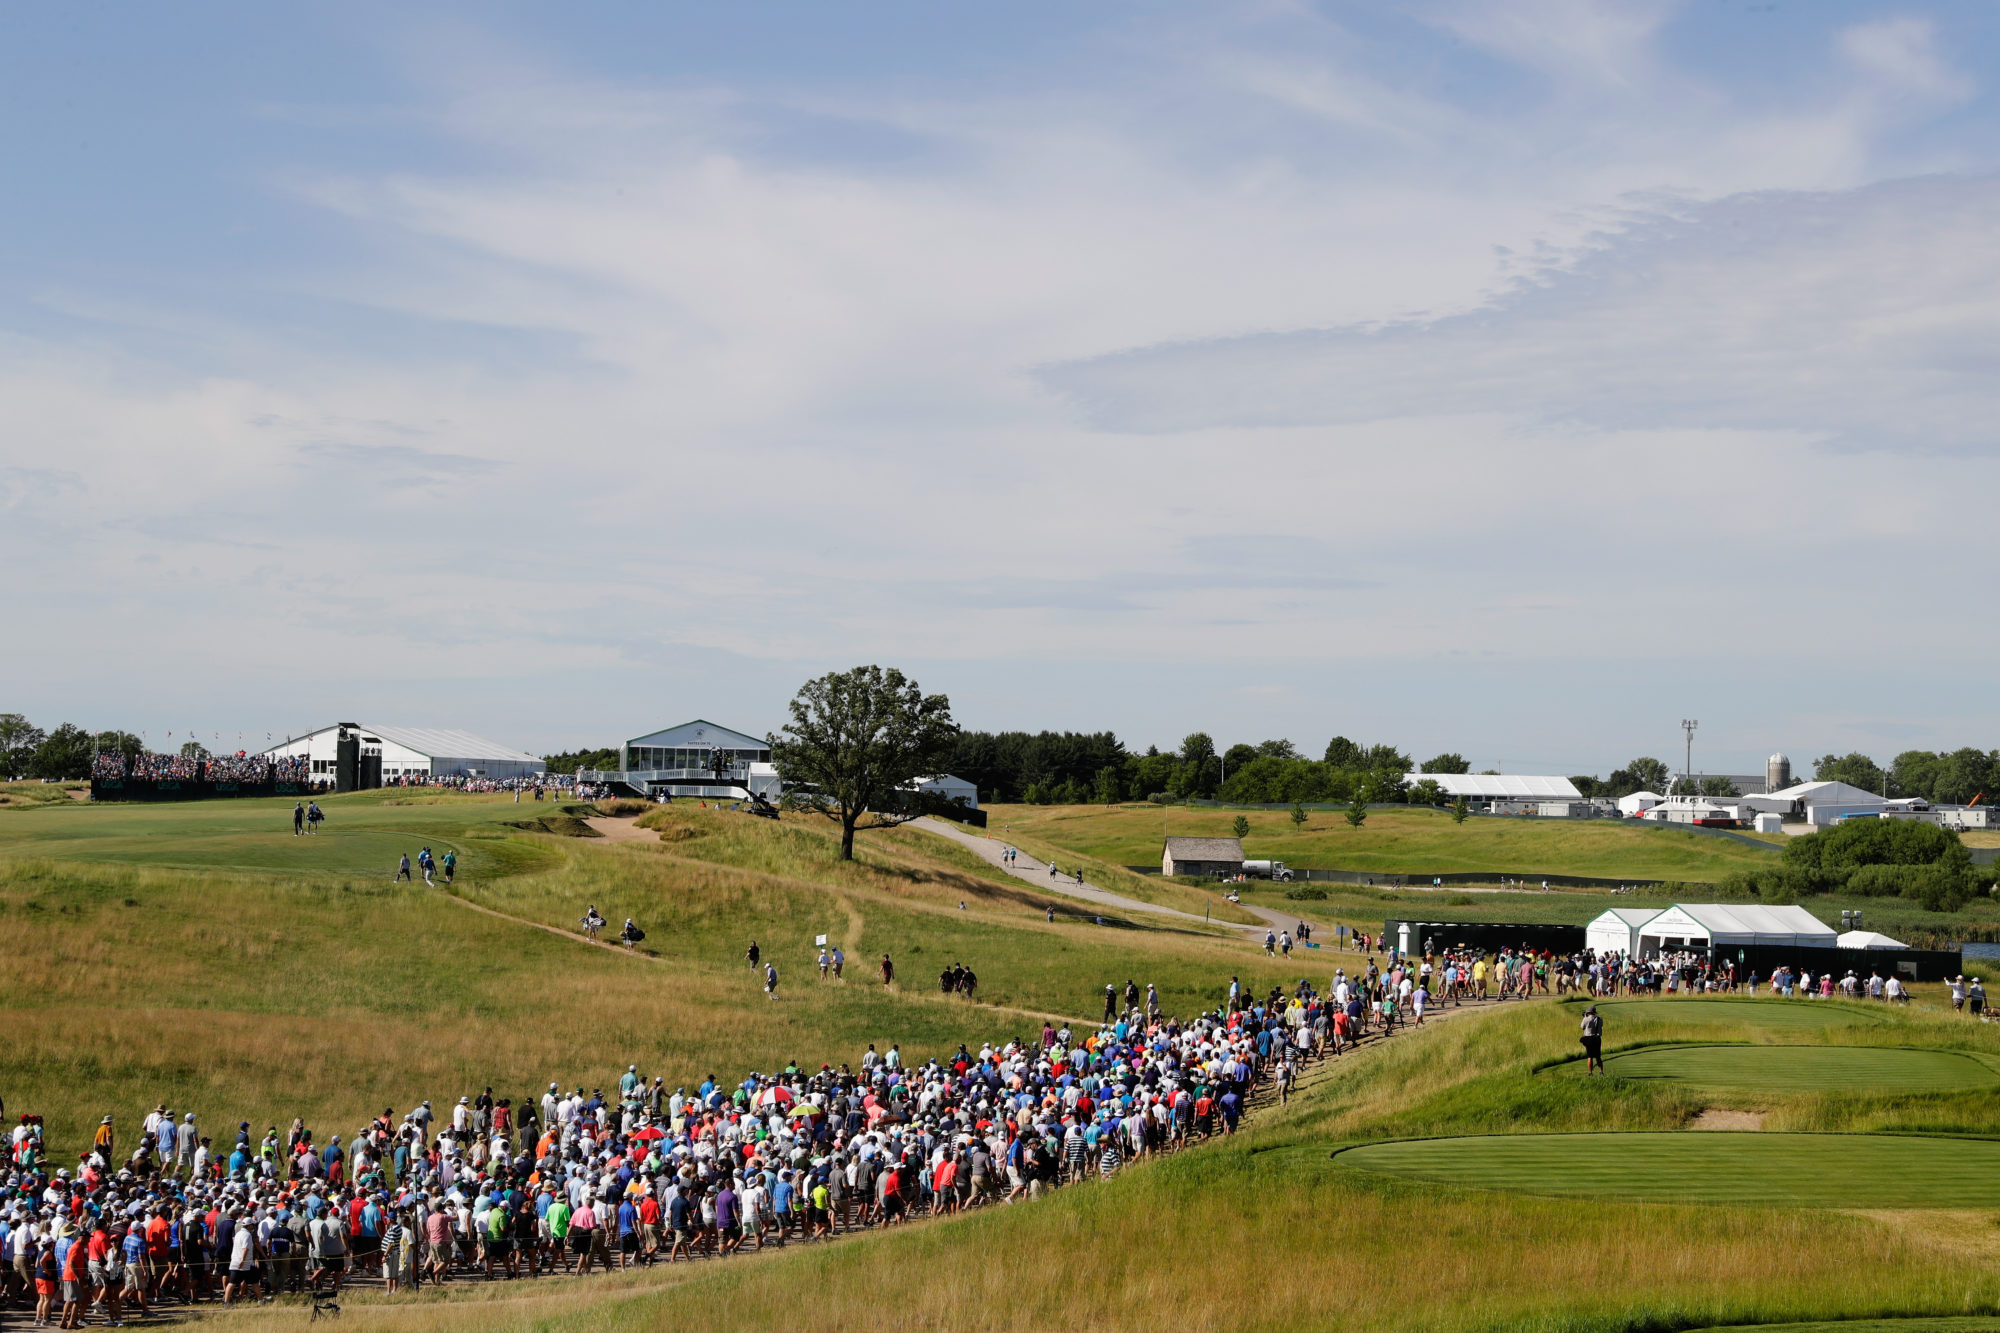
x=1777, y=773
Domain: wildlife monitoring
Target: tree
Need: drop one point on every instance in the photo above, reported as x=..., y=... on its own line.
x=1298, y=814
x=569, y=761
x=1240, y=827
x=123, y=742
x=1279, y=749
x=1357, y=813
x=1587, y=786
x=193, y=750
x=1426, y=792
x=1446, y=763
x=856, y=740
x=1385, y=786
x=19, y=739
x=1460, y=811
x=1853, y=768
x=1718, y=786
x=1344, y=753
x=1236, y=756
x=1649, y=773
x=63, y=755
x=1106, y=791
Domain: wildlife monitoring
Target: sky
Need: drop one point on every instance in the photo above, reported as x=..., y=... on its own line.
x=1514, y=379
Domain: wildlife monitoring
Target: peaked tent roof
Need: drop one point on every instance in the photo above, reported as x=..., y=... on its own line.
x=1869, y=939
x=1631, y=916
x=1829, y=793
x=702, y=732
x=1504, y=786
x=439, y=743
x=1748, y=923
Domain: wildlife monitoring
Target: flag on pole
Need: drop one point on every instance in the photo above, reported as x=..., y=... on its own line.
x=820, y=940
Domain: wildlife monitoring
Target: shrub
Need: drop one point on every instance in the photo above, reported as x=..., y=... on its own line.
x=1306, y=893
x=1876, y=842
x=1460, y=900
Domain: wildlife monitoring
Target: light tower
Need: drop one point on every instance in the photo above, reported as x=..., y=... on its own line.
x=1688, y=725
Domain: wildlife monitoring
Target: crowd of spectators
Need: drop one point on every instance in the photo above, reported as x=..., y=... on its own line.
x=575, y=1182
x=107, y=765
x=165, y=767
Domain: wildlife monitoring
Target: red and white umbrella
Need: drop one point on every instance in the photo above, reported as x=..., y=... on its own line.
x=776, y=1095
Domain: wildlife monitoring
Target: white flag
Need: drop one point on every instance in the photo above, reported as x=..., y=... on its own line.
x=820, y=940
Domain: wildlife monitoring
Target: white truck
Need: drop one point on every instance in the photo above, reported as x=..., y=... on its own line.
x=1266, y=870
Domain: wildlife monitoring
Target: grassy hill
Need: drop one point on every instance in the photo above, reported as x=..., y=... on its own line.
x=1414, y=840
x=201, y=954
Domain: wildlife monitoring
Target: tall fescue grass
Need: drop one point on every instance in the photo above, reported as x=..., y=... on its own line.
x=1263, y=1231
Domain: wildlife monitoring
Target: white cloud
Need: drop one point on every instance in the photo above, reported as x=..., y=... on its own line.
x=786, y=406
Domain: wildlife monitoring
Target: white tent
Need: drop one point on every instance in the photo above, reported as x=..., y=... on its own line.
x=1500, y=786
x=1699, y=925
x=1869, y=939
x=1638, y=802
x=1617, y=930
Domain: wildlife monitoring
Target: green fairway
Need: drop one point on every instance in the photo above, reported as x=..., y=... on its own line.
x=1810, y=1170
x=1950, y=1324
x=1791, y=1069
x=1414, y=840
x=1953, y=1323
x=1780, y=1013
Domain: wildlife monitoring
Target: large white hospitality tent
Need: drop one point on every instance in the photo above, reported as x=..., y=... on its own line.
x=1617, y=930
x=1819, y=802
x=1701, y=925
x=413, y=754
x=1500, y=786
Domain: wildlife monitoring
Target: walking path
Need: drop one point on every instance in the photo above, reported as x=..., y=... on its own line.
x=614, y=946
x=1037, y=873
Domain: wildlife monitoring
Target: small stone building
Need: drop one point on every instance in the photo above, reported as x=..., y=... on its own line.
x=1202, y=856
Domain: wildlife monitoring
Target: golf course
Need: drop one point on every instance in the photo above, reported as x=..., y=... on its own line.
x=205, y=956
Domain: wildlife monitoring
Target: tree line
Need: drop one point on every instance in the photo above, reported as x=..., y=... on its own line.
x=1077, y=768
x=62, y=755
x=1943, y=779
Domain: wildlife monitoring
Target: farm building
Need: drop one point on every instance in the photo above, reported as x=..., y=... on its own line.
x=1617, y=930
x=1706, y=925
x=1202, y=856
x=378, y=755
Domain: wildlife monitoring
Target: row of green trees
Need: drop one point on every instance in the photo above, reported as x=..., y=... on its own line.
x=62, y=755
x=1075, y=768
x=1946, y=779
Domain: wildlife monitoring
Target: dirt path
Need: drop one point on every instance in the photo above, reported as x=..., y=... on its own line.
x=621, y=830
x=1035, y=872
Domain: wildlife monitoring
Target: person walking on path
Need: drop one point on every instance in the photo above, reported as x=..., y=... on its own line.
x=888, y=970
x=314, y=816
x=403, y=871
x=1593, y=1041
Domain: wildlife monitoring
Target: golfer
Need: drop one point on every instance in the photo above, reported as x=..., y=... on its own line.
x=1593, y=1041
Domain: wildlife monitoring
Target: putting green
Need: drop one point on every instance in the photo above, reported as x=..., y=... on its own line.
x=1785, y=1069
x=1810, y=1170
x=1761, y=1013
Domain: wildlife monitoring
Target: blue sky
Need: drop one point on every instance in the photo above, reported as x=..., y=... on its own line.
x=1509, y=378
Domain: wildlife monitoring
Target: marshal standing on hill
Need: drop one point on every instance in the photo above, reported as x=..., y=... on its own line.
x=1593, y=1041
